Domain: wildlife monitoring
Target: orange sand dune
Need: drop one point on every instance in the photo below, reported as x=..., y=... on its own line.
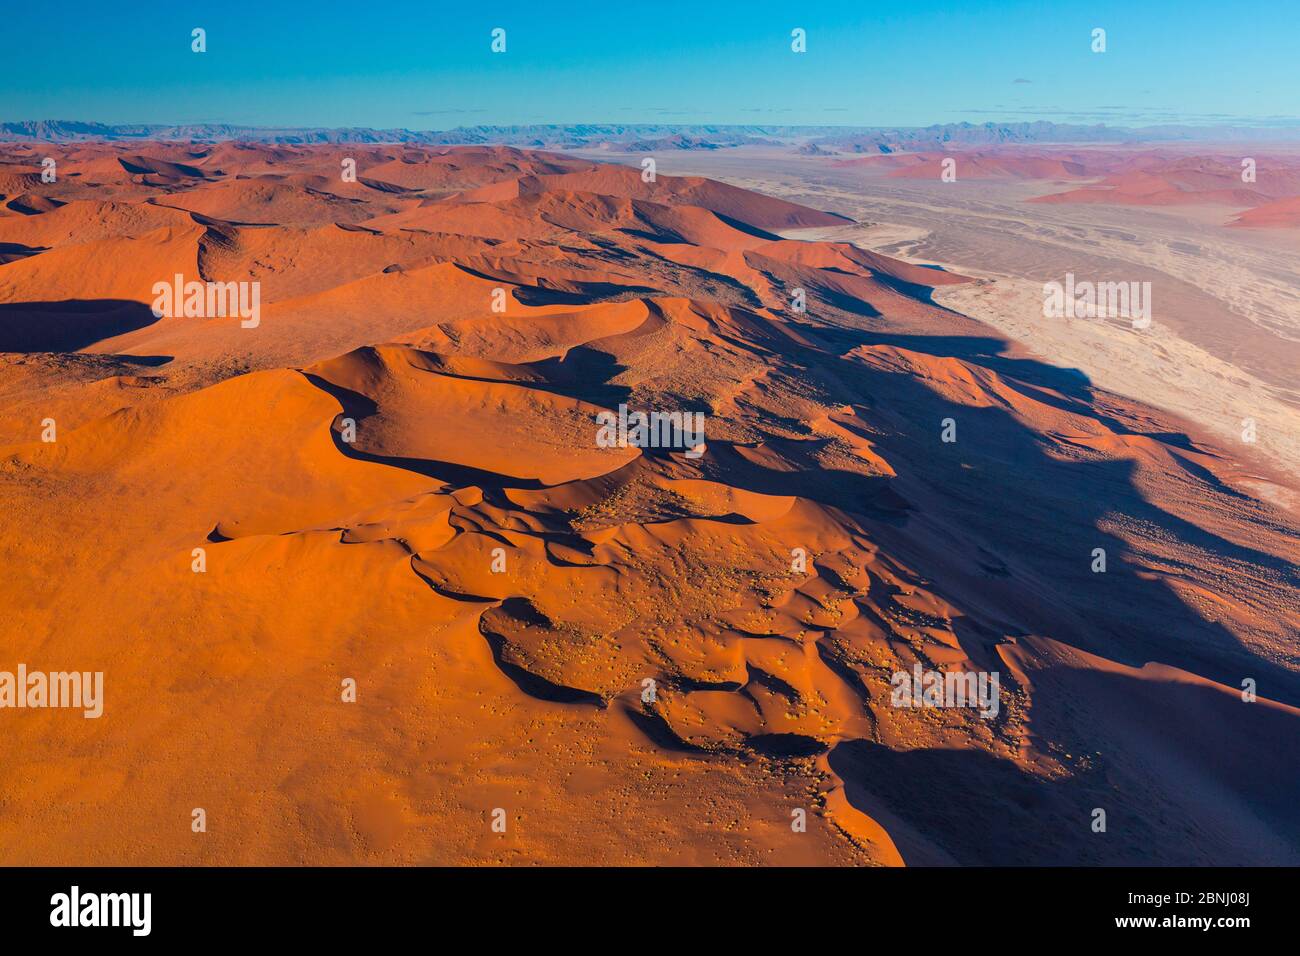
x=612, y=180
x=141, y=165
x=115, y=267
x=552, y=214
x=394, y=390
x=257, y=201
x=397, y=481
x=81, y=221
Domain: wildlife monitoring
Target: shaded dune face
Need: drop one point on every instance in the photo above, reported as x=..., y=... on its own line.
x=640, y=654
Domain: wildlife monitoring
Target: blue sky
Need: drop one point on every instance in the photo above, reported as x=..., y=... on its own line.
x=429, y=65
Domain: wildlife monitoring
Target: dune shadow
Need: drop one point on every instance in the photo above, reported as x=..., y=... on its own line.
x=972, y=809
x=13, y=251
x=68, y=325
x=1037, y=515
x=583, y=373
x=1186, y=775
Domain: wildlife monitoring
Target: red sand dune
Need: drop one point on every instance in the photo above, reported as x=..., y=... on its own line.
x=761, y=212
x=395, y=477
x=269, y=202
x=1152, y=178
x=1141, y=188
x=1131, y=177
x=976, y=164
x=1280, y=214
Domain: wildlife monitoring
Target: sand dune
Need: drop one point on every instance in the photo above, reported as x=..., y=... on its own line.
x=396, y=477
x=979, y=165
x=1281, y=214
x=750, y=208
x=276, y=203
x=1150, y=189
x=81, y=221
x=1155, y=179
x=1113, y=176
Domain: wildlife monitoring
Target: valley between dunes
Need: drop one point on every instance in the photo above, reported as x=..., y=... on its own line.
x=394, y=479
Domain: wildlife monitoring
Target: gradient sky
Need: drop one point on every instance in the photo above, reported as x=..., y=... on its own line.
x=428, y=65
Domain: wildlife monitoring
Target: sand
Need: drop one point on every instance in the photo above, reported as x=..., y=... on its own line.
x=365, y=587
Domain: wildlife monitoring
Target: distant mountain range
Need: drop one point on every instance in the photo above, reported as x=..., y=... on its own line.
x=654, y=137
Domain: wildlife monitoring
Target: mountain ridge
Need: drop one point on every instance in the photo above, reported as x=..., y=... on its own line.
x=650, y=136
